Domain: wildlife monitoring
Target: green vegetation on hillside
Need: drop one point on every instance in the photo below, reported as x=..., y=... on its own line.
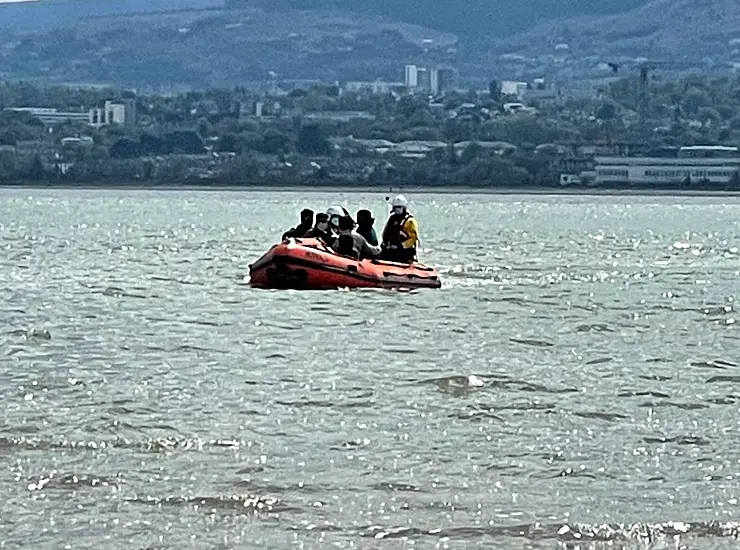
x=474, y=18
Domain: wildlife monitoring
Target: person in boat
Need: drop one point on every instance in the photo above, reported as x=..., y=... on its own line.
x=321, y=229
x=365, y=228
x=302, y=228
x=350, y=243
x=401, y=233
x=348, y=215
x=335, y=214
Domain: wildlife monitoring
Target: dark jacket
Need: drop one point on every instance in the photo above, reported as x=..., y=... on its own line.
x=315, y=233
x=297, y=232
x=368, y=232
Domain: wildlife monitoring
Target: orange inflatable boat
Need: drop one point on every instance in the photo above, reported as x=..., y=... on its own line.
x=308, y=264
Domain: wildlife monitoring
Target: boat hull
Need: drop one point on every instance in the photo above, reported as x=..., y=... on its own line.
x=308, y=264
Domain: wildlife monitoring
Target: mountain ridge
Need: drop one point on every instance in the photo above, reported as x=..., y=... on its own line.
x=217, y=48
x=677, y=29
x=241, y=45
x=474, y=18
x=468, y=18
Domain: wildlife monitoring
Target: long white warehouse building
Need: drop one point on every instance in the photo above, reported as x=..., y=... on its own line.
x=699, y=164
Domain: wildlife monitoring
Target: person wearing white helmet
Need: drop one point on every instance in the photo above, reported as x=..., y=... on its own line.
x=401, y=233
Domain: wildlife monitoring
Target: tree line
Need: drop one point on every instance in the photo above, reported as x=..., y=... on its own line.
x=171, y=130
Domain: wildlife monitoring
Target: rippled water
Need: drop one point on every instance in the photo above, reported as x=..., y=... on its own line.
x=573, y=385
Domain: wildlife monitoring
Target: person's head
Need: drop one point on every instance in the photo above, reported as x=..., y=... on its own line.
x=345, y=224
x=346, y=245
x=335, y=214
x=322, y=221
x=307, y=216
x=399, y=204
x=365, y=218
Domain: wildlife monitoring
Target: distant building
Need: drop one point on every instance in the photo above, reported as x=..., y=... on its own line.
x=417, y=149
x=501, y=148
x=51, y=116
x=515, y=107
x=252, y=109
x=411, y=76
x=85, y=141
x=546, y=95
x=540, y=91
x=434, y=81
x=266, y=107
x=703, y=164
x=446, y=79
x=375, y=87
x=424, y=79
x=122, y=113
x=339, y=116
x=513, y=88
x=428, y=80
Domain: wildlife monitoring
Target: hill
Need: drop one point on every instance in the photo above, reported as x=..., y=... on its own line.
x=474, y=19
x=49, y=14
x=212, y=48
x=190, y=43
x=678, y=30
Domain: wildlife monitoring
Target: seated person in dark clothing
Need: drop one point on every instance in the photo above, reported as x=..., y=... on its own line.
x=365, y=228
x=321, y=230
x=302, y=228
x=345, y=245
x=352, y=244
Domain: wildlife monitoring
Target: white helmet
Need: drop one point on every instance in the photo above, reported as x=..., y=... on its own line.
x=399, y=200
x=335, y=211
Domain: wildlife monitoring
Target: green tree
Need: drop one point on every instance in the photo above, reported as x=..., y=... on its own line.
x=125, y=148
x=8, y=164
x=274, y=142
x=205, y=128
x=229, y=143
x=36, y=171
x=734, y=182
x=606, y=111
x=243, y=170
x=694, y=100
x=312, y=141
x=184, y=142
x=470, y=153
x=174, y=170
x=708, y=115
x=424, y=133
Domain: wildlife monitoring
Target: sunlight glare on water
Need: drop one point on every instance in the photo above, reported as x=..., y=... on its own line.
x=572, y=385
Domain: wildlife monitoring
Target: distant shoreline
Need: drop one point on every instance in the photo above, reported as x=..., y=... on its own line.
x=356, y=188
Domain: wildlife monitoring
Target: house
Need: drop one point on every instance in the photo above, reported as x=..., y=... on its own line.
x=513, y=108
x=84, y=141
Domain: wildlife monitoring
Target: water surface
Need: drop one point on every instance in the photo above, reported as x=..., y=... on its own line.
x=574, y=384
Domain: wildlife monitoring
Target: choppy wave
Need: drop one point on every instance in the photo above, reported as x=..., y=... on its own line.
x=574, y=384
